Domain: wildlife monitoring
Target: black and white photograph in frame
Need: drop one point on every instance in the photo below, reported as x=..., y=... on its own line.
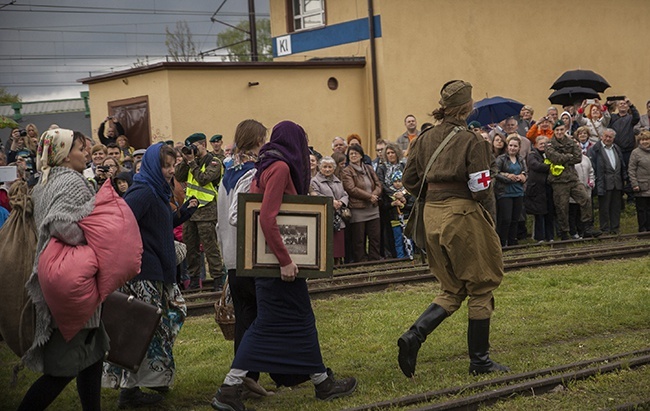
x=300, y=233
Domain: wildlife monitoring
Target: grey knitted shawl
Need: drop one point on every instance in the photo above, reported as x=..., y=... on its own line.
x=59, y=204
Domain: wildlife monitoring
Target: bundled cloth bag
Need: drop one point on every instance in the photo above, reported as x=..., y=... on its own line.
x=76, y=279
x=17, y=252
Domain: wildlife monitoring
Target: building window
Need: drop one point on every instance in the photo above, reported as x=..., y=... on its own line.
x=308, y=14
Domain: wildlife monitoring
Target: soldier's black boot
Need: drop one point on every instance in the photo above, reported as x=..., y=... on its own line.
x=409, y=343
x=478, y=343
x=590, y=231
x=564, y=235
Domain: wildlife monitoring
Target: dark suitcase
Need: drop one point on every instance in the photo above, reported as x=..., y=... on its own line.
x=130, y=324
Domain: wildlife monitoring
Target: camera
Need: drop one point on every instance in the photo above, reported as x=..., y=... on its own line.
x=103, y=169
x=191, y=149
x=22, y=132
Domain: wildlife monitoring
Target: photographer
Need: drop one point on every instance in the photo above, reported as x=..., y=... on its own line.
x=202, y=172
x=543, y=127
x=109, y=130
x=22, y=149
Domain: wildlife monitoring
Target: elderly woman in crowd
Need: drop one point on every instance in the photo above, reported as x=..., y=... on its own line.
x=325, y=183
x=61, y=199
x=283, y=339
x=581, y=136
x=364, y=188
x=595, y=117
x=509, y=191
x=639, y=173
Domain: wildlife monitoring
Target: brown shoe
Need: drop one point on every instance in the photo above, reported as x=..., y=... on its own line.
x=228, y=398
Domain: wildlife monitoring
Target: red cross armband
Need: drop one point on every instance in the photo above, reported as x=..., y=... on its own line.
x=479, y=181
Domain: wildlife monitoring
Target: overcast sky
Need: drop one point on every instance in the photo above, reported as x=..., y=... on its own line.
x=47, y=45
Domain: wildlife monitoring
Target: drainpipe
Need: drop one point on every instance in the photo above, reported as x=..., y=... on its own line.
x=373, y=67
x=253, y=29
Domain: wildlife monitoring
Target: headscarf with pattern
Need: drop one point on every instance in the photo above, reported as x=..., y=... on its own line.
x=53, y=148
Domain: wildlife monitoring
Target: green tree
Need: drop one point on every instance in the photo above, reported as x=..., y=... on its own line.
x=6, y=97
x=180, y=45
x=237, y=42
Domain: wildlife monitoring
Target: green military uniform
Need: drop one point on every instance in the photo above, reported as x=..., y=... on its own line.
x=462, y=246
x=565, y=152
x=203, y=176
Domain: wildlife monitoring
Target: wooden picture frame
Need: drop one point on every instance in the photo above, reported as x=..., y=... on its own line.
x=307, y=226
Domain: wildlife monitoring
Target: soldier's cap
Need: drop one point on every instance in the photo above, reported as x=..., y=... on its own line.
x=215, y=138
x=558, y=123
x=455, y=93
x=170, y=142
x=473, y=124
x=194, y=138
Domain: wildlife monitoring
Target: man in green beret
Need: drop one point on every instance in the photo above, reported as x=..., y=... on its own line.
x=217, y=141
x=202, y=172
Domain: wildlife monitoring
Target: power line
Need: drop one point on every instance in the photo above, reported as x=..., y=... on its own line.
x=89, y=31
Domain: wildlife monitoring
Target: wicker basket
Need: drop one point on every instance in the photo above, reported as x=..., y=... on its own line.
x=224, y=313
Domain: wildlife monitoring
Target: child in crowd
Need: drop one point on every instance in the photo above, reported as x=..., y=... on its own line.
x=122, y=182
x=401, y=205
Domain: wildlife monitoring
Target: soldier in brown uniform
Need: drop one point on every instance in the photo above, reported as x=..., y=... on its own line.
x=463, y=248
x=564, y=153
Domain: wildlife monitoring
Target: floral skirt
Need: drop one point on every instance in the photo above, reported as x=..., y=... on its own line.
x=158, y=367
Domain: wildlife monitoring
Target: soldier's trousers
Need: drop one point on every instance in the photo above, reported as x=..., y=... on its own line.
x=464, y=254
x=196, y=233
x=561, y=194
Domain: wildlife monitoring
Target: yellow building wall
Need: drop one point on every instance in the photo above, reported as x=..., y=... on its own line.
x=509, y=48
x=155, y=85
x=215, y=101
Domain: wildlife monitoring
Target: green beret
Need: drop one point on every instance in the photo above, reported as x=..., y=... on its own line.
x=455, y=93
x=194, y=138
x=216, y=137
x=558, y=123
x=474, y=124
x=169, y=142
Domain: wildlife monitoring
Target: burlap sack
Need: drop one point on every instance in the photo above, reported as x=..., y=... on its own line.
x=17, y=250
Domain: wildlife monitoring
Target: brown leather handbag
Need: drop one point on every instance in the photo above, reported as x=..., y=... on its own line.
x=130, y=323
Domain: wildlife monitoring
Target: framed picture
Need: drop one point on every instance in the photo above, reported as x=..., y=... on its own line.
x=306, y=227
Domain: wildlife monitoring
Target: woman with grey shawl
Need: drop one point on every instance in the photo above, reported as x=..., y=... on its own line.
x=61, y=199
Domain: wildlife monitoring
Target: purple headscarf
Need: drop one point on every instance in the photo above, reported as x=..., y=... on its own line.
x=288, y=143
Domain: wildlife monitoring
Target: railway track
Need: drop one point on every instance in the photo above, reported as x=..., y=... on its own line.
x=539, y=382
x=372, y=277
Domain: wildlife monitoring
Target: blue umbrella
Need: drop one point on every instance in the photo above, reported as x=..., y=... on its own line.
x=494, y=109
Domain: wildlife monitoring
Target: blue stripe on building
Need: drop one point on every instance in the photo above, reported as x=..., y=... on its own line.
x=329, y=36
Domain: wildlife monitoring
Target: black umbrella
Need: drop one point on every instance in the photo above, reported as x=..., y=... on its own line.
x=570, y=95
x=581, y=78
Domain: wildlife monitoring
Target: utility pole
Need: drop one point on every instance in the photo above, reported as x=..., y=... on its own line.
x=253, y=29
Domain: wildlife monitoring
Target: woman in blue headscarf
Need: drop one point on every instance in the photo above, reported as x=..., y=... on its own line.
x=283, y=339
x=149, y=198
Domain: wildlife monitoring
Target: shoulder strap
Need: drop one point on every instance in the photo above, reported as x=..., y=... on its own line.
x=435, y=155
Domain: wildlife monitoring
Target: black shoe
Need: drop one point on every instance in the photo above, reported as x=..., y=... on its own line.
x=134, y=398
x=228, y=398
x=409, y=343
x=590, y=231
x=478, y=343
x=331, y=388
x=564, y=236
x=163, y=389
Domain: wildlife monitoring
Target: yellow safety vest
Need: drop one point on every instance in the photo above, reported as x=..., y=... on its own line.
x=204, y=194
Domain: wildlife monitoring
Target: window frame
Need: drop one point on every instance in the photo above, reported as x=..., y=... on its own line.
x=292, y=16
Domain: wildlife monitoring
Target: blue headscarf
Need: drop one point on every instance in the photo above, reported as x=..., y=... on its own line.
x=151, y=173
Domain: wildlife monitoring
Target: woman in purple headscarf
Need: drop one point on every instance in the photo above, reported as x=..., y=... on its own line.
x=283, y=340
